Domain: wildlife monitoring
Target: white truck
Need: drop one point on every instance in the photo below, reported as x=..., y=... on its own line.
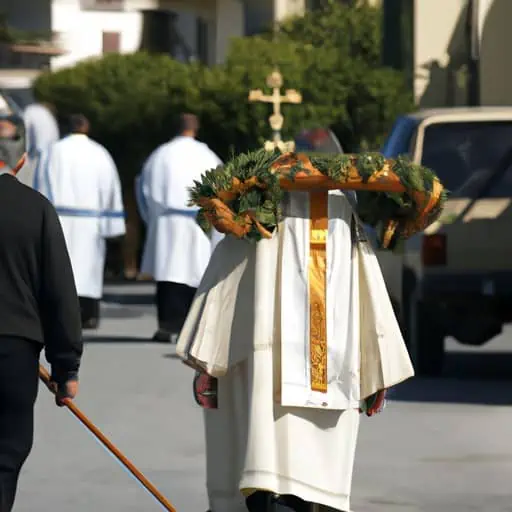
x=455, y=279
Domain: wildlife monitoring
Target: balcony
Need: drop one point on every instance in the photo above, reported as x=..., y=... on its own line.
x=135, y=5
x=27, y=50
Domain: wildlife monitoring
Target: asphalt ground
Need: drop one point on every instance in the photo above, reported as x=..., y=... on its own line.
x=441, y=445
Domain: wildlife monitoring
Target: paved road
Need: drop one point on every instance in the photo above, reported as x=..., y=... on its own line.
x=443, y=445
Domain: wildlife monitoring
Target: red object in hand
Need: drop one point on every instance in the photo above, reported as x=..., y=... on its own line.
x=378, y=403
x=205, y=390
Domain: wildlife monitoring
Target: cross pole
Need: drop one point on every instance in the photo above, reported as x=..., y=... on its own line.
x=276, y=120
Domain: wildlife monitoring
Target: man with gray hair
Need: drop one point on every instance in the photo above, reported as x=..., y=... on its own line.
x=38, y=306
x=42, y=131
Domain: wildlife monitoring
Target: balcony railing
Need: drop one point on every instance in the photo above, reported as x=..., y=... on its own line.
x=103, y=5
x=129, y=5
x=32, y=51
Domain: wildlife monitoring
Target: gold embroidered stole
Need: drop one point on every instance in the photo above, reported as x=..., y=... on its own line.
x=317, y=273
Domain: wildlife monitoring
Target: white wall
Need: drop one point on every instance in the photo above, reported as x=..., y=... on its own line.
x=495, y=62
x=286, y=8
x=434, y=25
x=82, y=30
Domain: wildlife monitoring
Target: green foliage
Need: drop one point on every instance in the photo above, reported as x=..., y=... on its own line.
x=11, y=35
x=374, y=208
x=354, y=30
x=330, y=55
x=364, y=97
x=131, y=101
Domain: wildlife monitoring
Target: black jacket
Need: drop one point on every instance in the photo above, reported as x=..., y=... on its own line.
x=38, y=298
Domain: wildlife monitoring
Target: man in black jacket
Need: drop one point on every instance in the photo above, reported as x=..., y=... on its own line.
x=38, y=305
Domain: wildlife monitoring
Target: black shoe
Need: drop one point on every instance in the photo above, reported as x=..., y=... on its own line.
x=258, y=501
x=162, y=336
x=263, y=501
x=92, y=323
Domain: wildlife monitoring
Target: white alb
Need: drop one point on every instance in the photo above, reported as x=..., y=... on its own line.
x=79, y=177
x=249, y=326
x=176, y=249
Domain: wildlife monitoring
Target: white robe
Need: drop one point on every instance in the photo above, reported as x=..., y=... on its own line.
x=80, y=178
x=249, y=326
x=176, y=248
x=41, y=132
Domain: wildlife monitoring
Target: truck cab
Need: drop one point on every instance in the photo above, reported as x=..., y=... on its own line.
x=455, y=279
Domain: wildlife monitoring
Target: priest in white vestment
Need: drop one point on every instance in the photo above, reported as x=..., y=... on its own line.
x=176, y=250
x=277, y=438
x=42, y=131
x=80, y=178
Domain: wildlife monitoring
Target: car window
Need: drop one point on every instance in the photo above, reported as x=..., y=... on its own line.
x=8, y=98
x=400, y=138
x=464, y=155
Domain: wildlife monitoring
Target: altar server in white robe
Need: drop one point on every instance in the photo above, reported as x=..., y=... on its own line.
x=42, y=131
x=79, y=177
x=176, y=250
x=275, y=440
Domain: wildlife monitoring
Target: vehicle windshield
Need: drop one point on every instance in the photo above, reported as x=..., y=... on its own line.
x=464, y=155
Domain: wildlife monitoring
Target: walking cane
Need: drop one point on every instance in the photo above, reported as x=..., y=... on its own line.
x=45, y=377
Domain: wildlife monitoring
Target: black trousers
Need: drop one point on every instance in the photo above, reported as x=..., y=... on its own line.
x=90, y=310
x=263, y=501
x=173, y=301
x=19, y=377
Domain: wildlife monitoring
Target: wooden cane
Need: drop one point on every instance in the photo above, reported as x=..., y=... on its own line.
x=45, y=377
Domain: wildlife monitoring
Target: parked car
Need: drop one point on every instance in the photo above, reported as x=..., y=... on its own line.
x=455, y=279
x=17, y=84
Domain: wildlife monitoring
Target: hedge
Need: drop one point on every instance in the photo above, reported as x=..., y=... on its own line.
x=331, y=55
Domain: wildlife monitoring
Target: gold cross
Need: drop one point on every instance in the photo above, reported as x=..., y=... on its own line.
x=276, y=120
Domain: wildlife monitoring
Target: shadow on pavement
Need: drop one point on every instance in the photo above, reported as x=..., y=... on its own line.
x=172, y=355
x=119, y=339
x=468, y=378
x=139, y=299
x=123, y=313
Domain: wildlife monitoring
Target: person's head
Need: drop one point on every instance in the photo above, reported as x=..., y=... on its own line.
x=12, y=139
x=78, y=123
x=50, y=107
x=189, y=125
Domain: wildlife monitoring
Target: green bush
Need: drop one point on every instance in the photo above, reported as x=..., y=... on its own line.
x=131, y=101
x=330, y=55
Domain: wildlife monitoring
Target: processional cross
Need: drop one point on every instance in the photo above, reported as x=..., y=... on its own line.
x=276, y=120
x=318, y=207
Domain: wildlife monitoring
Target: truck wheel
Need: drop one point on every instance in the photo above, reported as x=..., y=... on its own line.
x=426, y=342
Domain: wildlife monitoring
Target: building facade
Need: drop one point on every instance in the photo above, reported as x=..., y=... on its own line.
x=455, y=52
x=186, y=29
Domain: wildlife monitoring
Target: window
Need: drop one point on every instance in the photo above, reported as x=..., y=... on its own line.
x=466, y=157
x=398, y=36
x=314, y=4
x=202, y=36
x=111, y=42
